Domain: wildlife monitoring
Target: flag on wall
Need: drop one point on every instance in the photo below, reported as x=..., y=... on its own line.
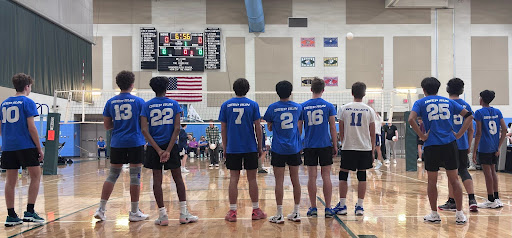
x=185, y=84
x=331, y=81
x=307, y=42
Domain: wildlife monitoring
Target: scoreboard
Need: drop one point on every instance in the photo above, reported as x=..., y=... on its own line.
x=180, y=51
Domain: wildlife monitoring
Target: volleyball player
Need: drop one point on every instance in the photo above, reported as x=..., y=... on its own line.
x=488, y=140
x=122, y=115
x=284, y=119
x=240, y=120
x=21, y=148
x=455, y=88
x=440, y=143
x=160, y=116
x=320, y=144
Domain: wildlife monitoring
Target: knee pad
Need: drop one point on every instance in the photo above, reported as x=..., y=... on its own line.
x=361, y=176
x=464, y=174
x=135, y=175
x=113, y=175
x=343, y=176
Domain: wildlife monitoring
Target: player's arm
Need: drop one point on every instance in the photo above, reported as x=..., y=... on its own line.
x=468, y=121
x=145, y=131
x=471, y=131
x=300, y=123
x=108, y=123
x=341, y=125
x=412, y=121
x=503, y=135
x=224, y=134
x=269, y=125
x=478, y=135
x=259, y=134
x=35, y=136
x=372, y=135
x=334, y=135
x=175, y=133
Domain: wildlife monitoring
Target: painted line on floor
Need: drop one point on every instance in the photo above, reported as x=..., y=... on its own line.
x=340, y=221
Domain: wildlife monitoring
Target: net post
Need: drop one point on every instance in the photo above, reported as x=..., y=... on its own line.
x=54, y=107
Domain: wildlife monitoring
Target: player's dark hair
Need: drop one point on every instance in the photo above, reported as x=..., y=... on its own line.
x=509, y=124
x=20, y=81
x=284, y=89
x=430, y=85
x=125, y=79
x=317, y=85
x=241, y=87
x=159, y=84
x=359, y=90
x=183, y=125
x=487, y=96
x=455, y=86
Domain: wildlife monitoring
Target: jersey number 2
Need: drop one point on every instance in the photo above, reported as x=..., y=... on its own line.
x=287, y=119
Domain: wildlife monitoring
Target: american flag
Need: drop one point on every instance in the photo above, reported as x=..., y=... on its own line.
x=185, y=84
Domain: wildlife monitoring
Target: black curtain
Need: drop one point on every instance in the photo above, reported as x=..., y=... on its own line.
x=50, y=54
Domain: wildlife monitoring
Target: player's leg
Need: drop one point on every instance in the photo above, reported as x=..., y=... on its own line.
x=388, y=150
x=312, y=175
x=250, y=161
x=361, y=191
x=341, y=207
x=294, y=176
x=326, y=161
x=162, y=219
x=460, y=218
x=467, y=180
x=419, y=151
x=135, y=156
x=184, y=162
x=450, y=204
x=433, y=216
x=10, y=185
x=495, y=185
x=279, y=177
x=234, y=164
x=379, y=155
x=35, y=178
x=486, y=160
x=185, y=216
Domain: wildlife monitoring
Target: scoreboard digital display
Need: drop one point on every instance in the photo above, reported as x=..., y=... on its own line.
x=180, y=51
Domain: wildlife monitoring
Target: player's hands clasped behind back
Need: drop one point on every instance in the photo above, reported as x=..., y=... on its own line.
x=41, y=155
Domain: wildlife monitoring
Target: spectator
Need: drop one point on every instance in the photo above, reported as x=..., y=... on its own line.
x=101, y=147
x=182, y=148
x=391, y=139
x=213, y=137
x=193, y=146
x=202, y=145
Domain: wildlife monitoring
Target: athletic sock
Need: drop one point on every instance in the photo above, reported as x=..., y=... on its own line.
x=296, y=208
x=232, y=207
x=434, y=213
x=11, y=212
x=343, y=201
x=360, y=202
x=280, y=210
x=162, y=211
x=490, y=197
x=30, y=208
x=451, y=200
x=135, y=207
x=459, y=213
x=183, y=207
x=471, y=196
x=255, y=205
x=496, y=196
x=103, y=204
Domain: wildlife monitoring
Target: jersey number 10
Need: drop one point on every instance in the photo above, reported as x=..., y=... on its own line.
x=7, y=115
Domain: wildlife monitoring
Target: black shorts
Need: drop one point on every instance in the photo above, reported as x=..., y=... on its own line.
x=356, y=160
x=420, y=142
x=20, y=158
x=463, y=159
x=152, y=160
x=279, y=160
x=436, y=156
x=487, y=158
x=315, y=156
x=235, y=161
x=377, y=139
x=131, y=155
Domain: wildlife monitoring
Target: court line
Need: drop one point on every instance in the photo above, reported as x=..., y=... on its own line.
x=419, y=180
x=340, y=221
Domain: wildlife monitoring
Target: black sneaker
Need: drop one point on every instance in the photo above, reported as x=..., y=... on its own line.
x=473, y=206
x=448, y=206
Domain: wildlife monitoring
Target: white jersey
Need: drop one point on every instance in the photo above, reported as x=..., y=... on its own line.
x=356, y=118
x=378, y=124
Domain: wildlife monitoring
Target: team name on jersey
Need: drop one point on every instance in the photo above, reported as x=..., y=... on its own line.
x=167, y=104
x=123, y=100
x=11, y=103
x=239, y=105
x=436, y=100
x=357, y=109
x=315, y=106
x=282, y=109
x=491, y=117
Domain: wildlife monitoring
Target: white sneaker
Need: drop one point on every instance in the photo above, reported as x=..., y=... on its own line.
x=472, y=168
x=488, y=204
x=294, y=216
x=100, y=214
x=498, y=202
x=211, y=165
x=138, y=216
x=386, y=161
x=278, y=219
x=217, y=165
x=394, y=161
x=163, y=220
x=379, y=164
x=432, y=218
x=184, y=170
x=460, y=218
x=187, y=218
x=419, y=159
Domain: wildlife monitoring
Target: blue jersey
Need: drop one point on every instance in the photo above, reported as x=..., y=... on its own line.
x=239, y=114
x=161, y=113
x=316, y=113
x=15, y=134
x=182, y=140
x=458, y=120
x=124, y=109
x=490, y=118
x=285, y=117
x=101, y=143
x=437, y=112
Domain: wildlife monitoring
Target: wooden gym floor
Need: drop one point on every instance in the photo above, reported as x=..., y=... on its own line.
x=394, y=207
